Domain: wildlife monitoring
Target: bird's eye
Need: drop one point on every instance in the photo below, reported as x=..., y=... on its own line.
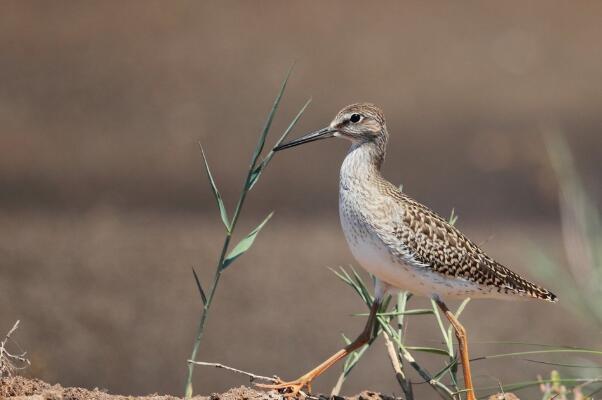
x=355, y=118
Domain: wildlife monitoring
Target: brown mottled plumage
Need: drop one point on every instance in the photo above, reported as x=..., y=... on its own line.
x=438, y=244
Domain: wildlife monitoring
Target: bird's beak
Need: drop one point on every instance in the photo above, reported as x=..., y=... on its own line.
x=323, y=133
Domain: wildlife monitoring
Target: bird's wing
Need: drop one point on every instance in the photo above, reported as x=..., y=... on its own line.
x=421, y=237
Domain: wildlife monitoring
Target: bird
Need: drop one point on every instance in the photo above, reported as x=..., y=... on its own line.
x=401, y=242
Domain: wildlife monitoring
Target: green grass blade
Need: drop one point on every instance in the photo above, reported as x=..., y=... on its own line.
x=290, y=127
x=563, y=365
x=362, y=286
x=448, y=342
x=356, y=283
x=268, y=122
x=462, y=307
x=346, y=274
x=448, y=367
x=432, y=350
x=524, y=353
x=244, y=244
x=526, y=384
x=340, y=276
x=257, y=171
x=346, y=339
x=401, y=306
x=199, y=286
x=417, y=311
x=453, y=217
x=518, y=343
x=216, y=194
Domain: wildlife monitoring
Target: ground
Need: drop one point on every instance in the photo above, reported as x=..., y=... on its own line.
x=35, y=389
x=21, y=388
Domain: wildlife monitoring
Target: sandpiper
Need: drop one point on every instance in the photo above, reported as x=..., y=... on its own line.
x=403, y=243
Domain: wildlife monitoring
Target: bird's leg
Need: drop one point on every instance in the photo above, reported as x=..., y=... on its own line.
x=463, y=347
x=295, y=386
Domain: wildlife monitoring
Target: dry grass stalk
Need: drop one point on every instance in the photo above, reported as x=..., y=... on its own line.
x=10, y=362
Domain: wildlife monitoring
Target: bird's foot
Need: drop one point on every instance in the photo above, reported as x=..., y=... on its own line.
x=292, y=388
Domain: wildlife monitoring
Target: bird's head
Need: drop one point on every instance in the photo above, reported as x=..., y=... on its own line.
x=359, y=123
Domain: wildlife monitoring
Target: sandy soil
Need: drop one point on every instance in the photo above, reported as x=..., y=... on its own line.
x=17, y=387
x=23, y=388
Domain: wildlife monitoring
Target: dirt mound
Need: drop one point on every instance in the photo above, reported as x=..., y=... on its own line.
x=17, y=387
x=21, y=388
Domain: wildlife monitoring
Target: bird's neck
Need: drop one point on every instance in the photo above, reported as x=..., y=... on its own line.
x=364, y=160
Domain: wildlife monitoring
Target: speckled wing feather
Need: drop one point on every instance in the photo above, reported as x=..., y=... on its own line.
x=427, y=240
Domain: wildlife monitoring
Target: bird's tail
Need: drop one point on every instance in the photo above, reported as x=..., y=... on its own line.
x=523, y=287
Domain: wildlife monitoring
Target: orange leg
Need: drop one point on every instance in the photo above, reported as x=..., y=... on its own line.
x=294, y=387
x=463, y=346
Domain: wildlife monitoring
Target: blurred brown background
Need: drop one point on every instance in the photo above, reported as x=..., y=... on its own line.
x=104, y=206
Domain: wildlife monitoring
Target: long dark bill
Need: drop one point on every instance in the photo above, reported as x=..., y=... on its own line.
x=324, y=133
